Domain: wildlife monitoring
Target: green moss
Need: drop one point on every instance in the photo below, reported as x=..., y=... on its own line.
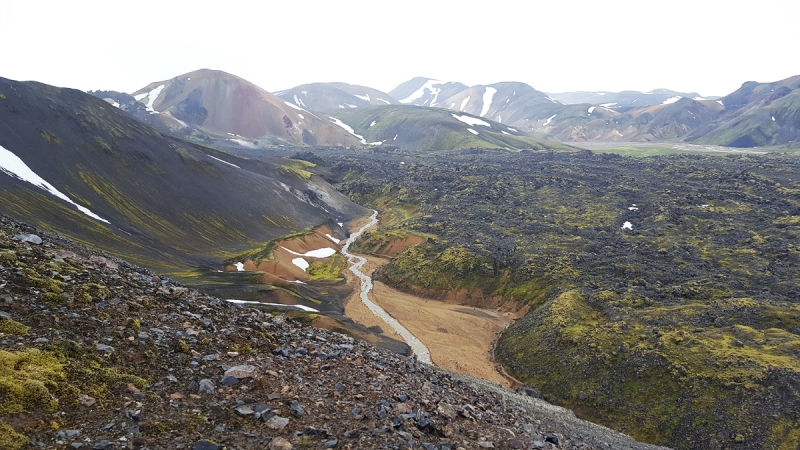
x=12, y=327
x=10, y=439
x=86, y=292
x=183, y=347
x=8, y=256
x=27, y=378
x=327, y=271
x=49, y=137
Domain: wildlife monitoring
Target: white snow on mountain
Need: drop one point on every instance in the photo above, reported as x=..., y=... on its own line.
x=472, y=121
x=464, y=104
x=487, y=100
x=364, y=97
x=13, y=166
x=671, y=100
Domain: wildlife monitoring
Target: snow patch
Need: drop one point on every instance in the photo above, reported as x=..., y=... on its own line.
x=471, y=120
x=301, y=263
x=487, y=100
x=299, y=102
x=226, y=162
x=332, y=238
x=384, y=101
x=395, y=137
x=151, y=97
x=13, y=166
x=720, y=102
x=421, y=91
x=372, y=124
x=698, y=98
x=250, y=302
x=515, y=131
x=632, y=208
x=294, y=106
x=773, y=118
x=349, y=129
x=351, y=106
x=549, y=119
x=319, y=253
x=362, y=97
x=472, y=131
x=505, y=132
x=671, y=100
x=464, y=104
x=591, y=109
x=608, y=105
x=627, y=226
x=239, y=267
x=300, y=116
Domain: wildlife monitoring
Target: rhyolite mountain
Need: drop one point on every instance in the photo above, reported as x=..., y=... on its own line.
x=74, y=164
x=224, y=104
x=332, y=96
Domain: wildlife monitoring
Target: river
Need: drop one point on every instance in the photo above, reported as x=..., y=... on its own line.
x=356, y=263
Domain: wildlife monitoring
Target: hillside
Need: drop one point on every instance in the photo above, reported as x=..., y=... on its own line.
x=332, y=96
x=227, y=105
x=77, y=165
x=414, y=127
x=663, y=292
x=98, y=353
x=756, y=115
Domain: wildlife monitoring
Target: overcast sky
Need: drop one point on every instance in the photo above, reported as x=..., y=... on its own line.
x=709, y=47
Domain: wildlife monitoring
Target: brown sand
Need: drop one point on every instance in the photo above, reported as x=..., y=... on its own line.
x=460, y=338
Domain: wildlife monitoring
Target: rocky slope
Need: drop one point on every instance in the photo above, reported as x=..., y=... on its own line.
x=333, y=96
x=75, y=164
x=226, y=104
x=97, y=353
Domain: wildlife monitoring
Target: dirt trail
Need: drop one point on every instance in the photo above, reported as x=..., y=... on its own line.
x=459, y=338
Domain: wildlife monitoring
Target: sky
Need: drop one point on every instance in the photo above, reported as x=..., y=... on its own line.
x=703, y=46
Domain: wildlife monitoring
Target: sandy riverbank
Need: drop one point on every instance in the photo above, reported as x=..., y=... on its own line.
x=460, y=338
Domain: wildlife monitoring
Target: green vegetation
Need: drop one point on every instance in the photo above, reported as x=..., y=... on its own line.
x=682, y=330
x=327, y=271
x=12, y=327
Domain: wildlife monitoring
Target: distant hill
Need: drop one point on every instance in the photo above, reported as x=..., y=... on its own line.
x=756, y=115
x=626, y=99
x=74, y=164
x=225, y=104
x=422, y=91
x=414, y=127
x=332, y=96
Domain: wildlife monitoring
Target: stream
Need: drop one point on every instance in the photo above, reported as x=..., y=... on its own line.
x=357, y=262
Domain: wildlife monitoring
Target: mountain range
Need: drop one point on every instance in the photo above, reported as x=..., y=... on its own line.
x=220, y=109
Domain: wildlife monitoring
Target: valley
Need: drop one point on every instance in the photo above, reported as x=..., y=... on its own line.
x=634, y=260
